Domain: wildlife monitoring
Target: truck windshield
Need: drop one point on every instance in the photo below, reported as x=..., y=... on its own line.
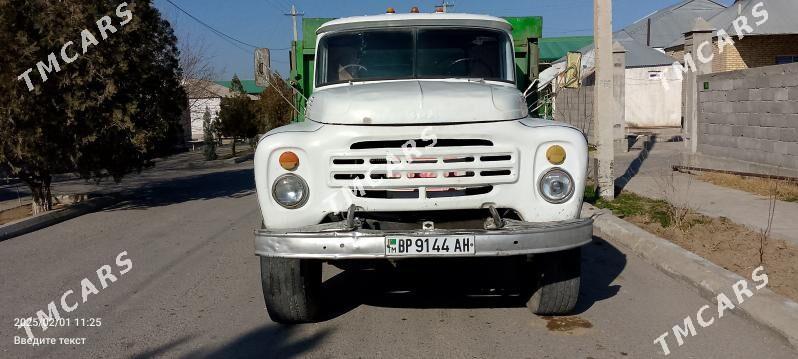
x=414, y=53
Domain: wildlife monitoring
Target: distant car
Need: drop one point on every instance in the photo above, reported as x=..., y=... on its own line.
x=418, y=144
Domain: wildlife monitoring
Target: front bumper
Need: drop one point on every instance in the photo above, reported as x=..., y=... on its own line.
x=329, y=241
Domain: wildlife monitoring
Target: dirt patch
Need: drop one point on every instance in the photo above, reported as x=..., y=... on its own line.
x=785, y=190
x=16, y=213
x=22, y=212
x=727, y=244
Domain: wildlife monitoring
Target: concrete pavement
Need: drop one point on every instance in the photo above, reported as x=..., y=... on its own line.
x=648, y=172
x=194, y=291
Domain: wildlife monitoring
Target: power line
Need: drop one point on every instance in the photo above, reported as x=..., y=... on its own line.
x=218, y=32
x=276, y=6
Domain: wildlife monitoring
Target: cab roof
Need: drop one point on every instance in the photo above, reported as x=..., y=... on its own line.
x=395, y=20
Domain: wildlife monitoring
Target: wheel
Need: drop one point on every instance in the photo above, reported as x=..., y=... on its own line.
x=291, y=289
x=557, y=277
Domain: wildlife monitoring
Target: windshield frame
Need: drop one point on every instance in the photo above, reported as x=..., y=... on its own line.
x=320, y=58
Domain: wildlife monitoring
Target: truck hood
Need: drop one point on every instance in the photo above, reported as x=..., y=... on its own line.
x=416, y=102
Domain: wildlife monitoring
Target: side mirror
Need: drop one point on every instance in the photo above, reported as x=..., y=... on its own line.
x=262, y=67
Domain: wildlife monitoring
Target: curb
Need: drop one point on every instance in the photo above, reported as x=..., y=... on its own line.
x=767, y=308
x=48, y=219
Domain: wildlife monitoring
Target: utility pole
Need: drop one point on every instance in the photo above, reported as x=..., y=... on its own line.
x=603, y=101
x=446, y=5
x=293, y=14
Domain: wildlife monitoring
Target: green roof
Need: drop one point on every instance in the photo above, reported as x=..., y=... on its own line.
x=249, y=86
x=554, y=48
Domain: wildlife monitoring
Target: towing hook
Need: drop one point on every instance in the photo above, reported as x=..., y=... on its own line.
x=351, y=221
x=498, y=222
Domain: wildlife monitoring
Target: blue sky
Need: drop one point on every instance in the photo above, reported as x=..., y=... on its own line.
x=262, y=23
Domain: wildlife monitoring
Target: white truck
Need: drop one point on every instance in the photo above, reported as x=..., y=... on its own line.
x=416, y=143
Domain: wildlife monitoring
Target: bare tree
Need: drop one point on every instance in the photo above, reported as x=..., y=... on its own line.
x=198, y=72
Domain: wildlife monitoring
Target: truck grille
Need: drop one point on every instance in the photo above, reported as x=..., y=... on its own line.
x=451, y=168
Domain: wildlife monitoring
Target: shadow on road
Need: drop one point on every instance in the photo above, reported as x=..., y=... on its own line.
x=231, y=184
x=268, y=341
x=602, y=263
x=634, y=167
x=458, y=283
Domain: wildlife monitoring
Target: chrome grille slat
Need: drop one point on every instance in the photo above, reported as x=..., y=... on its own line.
x=445, y=167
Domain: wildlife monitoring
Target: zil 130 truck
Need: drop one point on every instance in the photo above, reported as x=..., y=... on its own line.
x=414, y=140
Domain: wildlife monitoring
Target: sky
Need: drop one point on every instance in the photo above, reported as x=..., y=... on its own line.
x=262, y=22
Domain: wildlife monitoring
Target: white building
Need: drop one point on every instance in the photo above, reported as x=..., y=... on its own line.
x=208, y=95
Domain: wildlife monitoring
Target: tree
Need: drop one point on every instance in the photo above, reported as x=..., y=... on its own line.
x=207, y=135
x=273, y=107
x=104, y=111
x=237, y=117
x=197, y=71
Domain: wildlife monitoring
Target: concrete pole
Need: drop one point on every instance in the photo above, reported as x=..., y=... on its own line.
x=295, y=45
x=696, y=39
x=621, y=144
x=603, y=102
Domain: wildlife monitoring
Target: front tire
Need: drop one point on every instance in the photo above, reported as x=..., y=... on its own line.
x=291, y=289
x=557, y=278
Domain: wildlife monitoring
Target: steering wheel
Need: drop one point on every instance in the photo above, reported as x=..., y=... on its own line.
x=359, y=68
x=467, y=59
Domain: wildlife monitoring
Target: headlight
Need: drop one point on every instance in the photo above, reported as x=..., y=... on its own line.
x=290, y=191
x=556, y=186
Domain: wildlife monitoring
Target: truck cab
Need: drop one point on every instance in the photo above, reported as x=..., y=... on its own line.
x=417, y=142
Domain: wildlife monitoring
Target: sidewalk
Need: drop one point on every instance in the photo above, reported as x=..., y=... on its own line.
x=648, y=173
x=175, y=166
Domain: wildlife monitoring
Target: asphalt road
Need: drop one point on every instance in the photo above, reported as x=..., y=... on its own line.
x=194, y=291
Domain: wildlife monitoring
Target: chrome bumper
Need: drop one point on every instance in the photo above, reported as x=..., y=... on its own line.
x=329, y=241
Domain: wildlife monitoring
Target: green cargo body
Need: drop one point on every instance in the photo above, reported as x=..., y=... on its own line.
x=526, y=32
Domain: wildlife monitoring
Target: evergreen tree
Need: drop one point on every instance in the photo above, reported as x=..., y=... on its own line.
x=237, y=118
x=207, y=136
x=106, y=112
x=236, y=86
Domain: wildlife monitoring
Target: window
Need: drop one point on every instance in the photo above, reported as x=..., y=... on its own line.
x=786, y=59
x=409, y=53
x=655, y=75
x=365, y=56
x=461, y=53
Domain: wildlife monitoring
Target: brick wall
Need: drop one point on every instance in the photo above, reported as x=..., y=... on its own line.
x=676, y=52
x=754, y=51
x=750, y=52
x=750, y=115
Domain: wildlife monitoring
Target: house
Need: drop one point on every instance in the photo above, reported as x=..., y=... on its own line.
x=207, y=94
x=653, y=88
x=774, y=39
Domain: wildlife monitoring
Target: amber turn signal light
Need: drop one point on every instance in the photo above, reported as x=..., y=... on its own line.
x=289, y=160
x=556, y=155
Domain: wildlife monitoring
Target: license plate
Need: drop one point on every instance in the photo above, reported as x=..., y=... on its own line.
x=433, y=245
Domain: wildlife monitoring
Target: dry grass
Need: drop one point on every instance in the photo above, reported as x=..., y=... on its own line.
x=727, y=244
x=16, y=213
x=733, y=247
x=786, y=191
